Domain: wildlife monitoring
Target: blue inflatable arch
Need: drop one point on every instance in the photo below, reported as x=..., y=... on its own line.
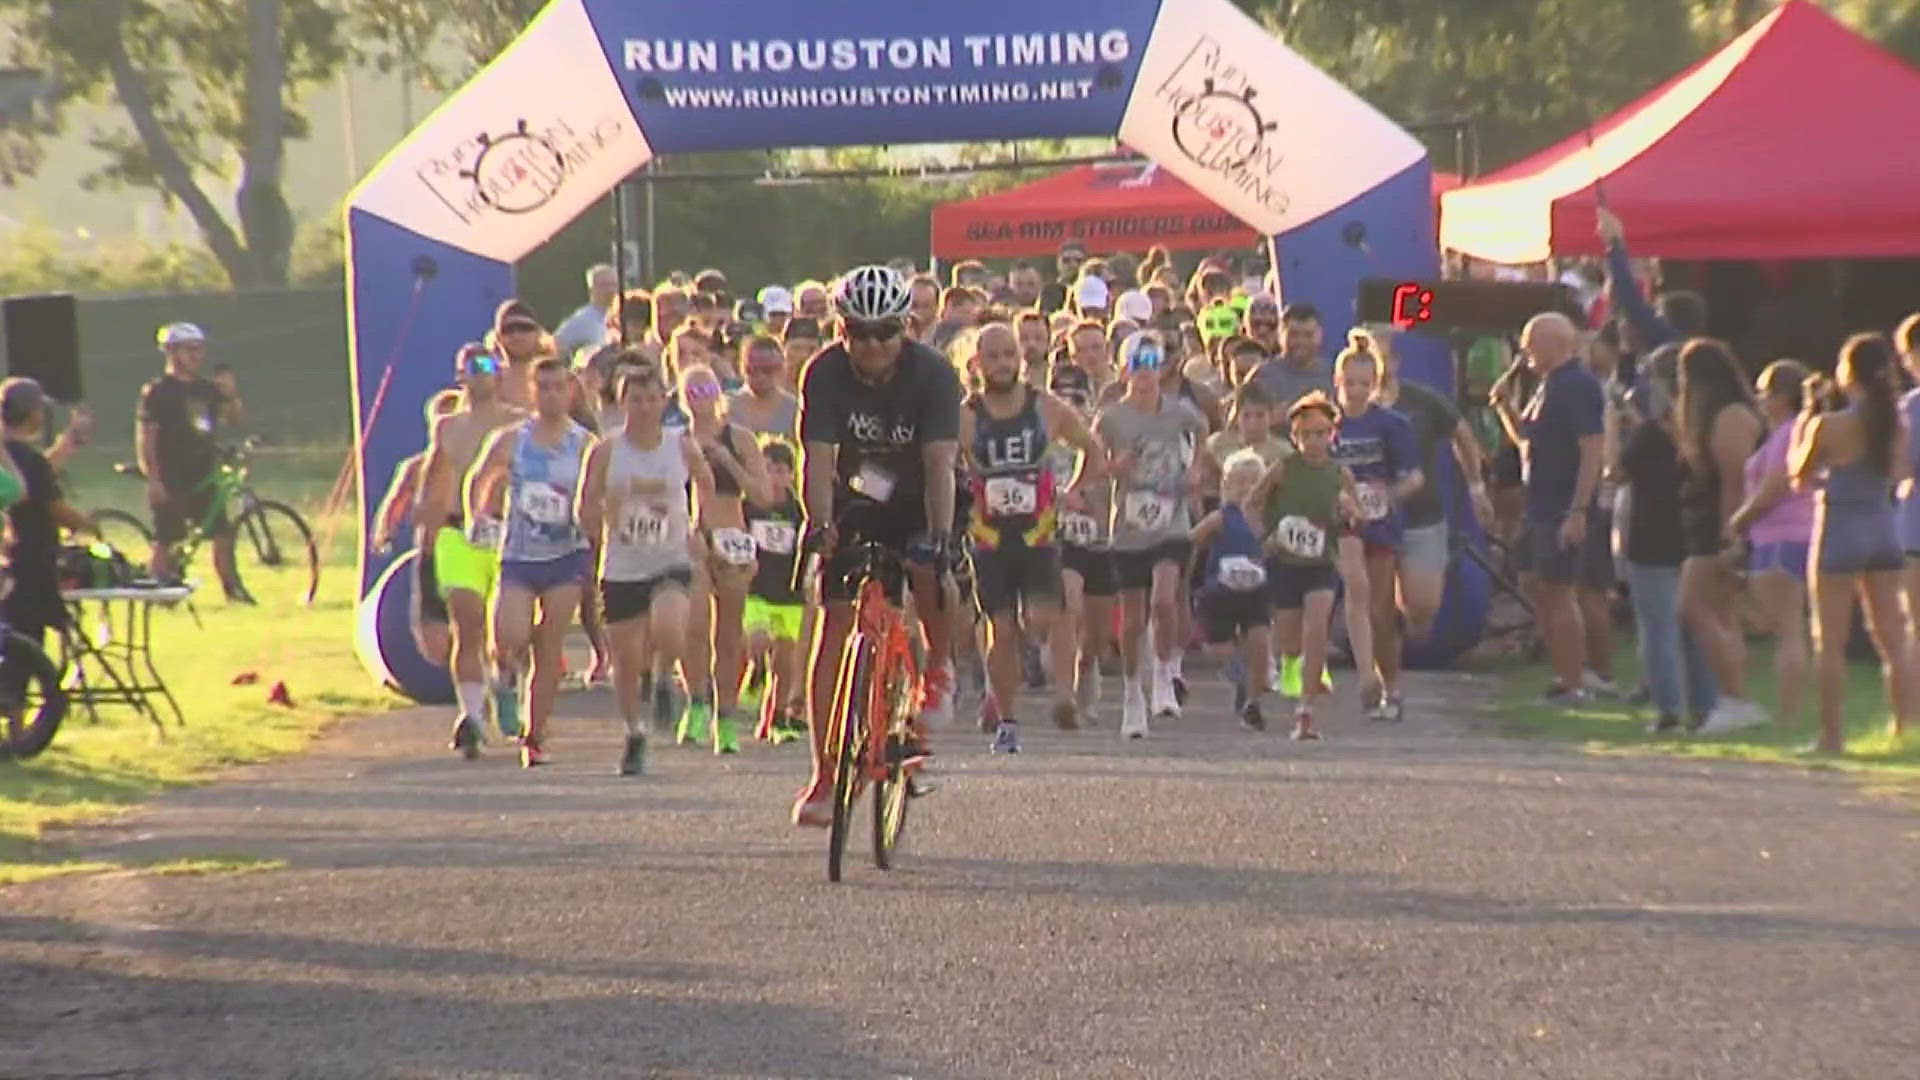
x=595, y=88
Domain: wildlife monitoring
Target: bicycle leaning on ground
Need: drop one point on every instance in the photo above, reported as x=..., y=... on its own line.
x=869, y=735
x=272, y=546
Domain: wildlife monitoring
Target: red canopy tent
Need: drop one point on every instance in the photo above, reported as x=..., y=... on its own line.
x=1111, y=206
x=1788, y=143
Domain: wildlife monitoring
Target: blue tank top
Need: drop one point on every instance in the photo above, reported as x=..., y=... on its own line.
x=541, y=482
x=1234, y=560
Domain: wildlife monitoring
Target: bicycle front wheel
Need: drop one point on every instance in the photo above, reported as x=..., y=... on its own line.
x=898, y=698
x=847, y=738
x=274, y=554
x=32, y=702
x=125, y=534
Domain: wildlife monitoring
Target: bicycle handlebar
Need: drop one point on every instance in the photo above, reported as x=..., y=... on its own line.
x=227, y=454
x=870, y=555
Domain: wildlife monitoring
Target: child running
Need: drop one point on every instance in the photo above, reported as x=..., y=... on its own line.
x=1233, y=598
x=1308, y=499
x=773, y=606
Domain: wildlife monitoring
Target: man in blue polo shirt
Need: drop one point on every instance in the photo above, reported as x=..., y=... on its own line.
x=1559, y=435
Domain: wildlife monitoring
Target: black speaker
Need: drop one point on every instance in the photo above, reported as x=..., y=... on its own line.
x=43, y=342
x=1440, y=306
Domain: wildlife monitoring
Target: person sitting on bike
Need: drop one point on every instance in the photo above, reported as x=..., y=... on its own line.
x=33, y=606
x=880, y=424
x=174, y=436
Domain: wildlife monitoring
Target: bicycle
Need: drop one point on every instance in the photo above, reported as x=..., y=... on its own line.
x=32, y=702
x=870, y=733
x=270, y=533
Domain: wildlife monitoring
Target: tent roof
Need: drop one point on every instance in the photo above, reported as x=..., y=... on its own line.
x=1776, y=147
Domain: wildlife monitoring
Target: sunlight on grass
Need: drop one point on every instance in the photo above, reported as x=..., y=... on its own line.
x=96, y=770
x=1611, y=727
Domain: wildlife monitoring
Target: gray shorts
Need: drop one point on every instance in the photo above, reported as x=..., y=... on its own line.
x=1425, y=549
x=1588, y=565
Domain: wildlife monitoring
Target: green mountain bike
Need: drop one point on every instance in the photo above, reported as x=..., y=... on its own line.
x=274, y=554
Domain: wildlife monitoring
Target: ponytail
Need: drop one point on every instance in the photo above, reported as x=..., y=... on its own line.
x=1870, y=365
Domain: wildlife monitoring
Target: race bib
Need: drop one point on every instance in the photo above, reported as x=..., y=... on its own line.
x=734, y=547
x=1301, y=538
x=873, y=482
x=643, y=525
x=774, y=537
x=1242, y=574
x=1078, y=529
x=1374, y=504
x=1147, y=511
x=1011, y=496
x=484, y=532
x=544, y=506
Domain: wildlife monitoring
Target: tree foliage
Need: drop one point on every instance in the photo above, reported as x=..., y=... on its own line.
x=210, y=90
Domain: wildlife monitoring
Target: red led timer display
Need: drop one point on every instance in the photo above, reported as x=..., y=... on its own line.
x=1412, y=305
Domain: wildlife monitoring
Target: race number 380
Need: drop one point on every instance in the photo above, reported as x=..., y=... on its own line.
x=544, y=506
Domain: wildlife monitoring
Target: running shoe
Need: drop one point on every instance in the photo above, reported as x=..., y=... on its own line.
x=1392, y=709
x=532, y=753
x=506, y=710
x=1006, y=738
x=1371, y=695
x=813, y=809
x=1731, y=715
x=1133, y=710
x=787, y=727
x=725, y=739
x=936, y=696
x=1162, y=701
x=1593, y=683
x=1064, y=716
x=466, y=737
x=633, y=761
x=694, y=720
x=1664, y=724
x=1250, y=717
x=1565, y=698
x=1290, y=676
x=1087, y=693
x=1303, y=729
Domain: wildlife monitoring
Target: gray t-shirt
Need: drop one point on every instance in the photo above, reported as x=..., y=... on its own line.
x=1434, y=419
x=1149, y=508
x=784, y=421
x=1287, y=383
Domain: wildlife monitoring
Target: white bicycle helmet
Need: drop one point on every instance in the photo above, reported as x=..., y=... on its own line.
x=179, y=333
x=872, y=294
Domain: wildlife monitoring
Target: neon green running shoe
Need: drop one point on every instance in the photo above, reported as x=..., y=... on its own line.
x=1290, y=676
x=693, y=722
x=726, y=740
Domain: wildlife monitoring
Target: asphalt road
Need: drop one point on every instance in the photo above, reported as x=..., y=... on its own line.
x=1422, y=901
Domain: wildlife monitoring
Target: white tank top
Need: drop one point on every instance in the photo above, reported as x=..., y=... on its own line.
x=646, y=535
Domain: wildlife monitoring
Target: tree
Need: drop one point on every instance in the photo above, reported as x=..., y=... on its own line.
x=417, y=34
x=210, y=91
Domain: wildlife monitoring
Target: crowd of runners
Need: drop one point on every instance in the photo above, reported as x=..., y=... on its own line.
x=1080, y=475
x=1108, y=470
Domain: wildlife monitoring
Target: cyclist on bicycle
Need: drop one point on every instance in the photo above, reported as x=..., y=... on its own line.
x=176, y=419
x=880, y=420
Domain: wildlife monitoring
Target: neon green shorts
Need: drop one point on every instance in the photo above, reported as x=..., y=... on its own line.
x=460, y=565
x=780, y=621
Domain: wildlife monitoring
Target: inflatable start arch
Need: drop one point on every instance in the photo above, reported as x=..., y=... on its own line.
x=595, y=88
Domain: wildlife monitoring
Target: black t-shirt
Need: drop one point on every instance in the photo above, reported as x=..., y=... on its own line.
x=184, y=413
x=1434, y=419
x=880, y=429
x=1651, y=464
x=33, y=546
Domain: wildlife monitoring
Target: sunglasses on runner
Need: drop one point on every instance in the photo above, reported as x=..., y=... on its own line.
x=875, y=332
x=1148, y=357
x=703, y=390
x=483, y=364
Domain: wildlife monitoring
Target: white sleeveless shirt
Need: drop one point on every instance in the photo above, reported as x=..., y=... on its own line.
x=645, y=535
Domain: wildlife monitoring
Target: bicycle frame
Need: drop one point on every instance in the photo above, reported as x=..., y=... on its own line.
x=881, y=626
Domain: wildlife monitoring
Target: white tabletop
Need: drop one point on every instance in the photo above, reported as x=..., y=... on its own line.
x=170, y=594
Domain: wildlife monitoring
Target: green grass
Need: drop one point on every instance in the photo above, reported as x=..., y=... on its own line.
x=1611, y=727
x=95, y=771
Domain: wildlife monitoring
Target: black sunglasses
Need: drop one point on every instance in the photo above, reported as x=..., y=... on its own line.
x=877, y=332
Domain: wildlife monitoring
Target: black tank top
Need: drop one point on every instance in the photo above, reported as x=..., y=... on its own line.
x=723, y=481
x=1012, y=487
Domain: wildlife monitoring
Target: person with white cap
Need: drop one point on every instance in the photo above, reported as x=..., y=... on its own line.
x=1135, y=305
x=776, y=307
x=173, y=435
x=1091, y=297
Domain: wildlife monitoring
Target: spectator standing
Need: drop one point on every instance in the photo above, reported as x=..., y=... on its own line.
x=1775, y=526
x=1857, y=439
x=178, y=413
x=586, y=328
x=1649, y=464
x=1559, y=434
x=1907, y=340
x=1719, y=428
x=33, y=605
